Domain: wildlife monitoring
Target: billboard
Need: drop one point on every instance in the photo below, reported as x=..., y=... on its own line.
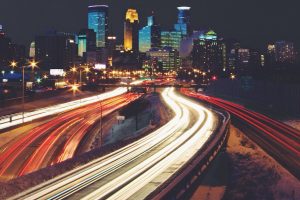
x=57, y=72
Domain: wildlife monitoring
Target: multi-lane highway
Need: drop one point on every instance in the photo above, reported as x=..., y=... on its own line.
x=136, y=170
x=278, y=139
x=56, y=140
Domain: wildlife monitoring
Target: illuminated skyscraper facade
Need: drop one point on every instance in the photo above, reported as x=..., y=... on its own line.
x=285, y=52
x=171, y=39
x=86, y=41
x=98, y=21
x=183, y=24
x=167, y=58
x=149, y=36
x=208, y=53
x=131, y=31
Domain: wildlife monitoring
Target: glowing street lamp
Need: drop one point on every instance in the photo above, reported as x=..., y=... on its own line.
x=232, y=76
x=73, y=69
x=74, y=89
x=13, y=64
x=87, y=69
x=33, y=64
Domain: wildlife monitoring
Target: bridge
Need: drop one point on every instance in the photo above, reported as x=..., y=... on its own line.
x=154, y=86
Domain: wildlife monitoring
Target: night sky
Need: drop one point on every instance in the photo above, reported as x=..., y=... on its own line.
x=253, y=22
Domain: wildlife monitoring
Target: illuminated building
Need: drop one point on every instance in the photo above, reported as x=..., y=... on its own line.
x=149, y=36
x=167, y=57
x=32, y=50
x=171, y=39
x=284, y=52
x=131, y=31
x=208, y=52
x=243, y=57
x=183, y=24
x=111, y=48
x=98, y=21
x=86, y=41
x=271, y=54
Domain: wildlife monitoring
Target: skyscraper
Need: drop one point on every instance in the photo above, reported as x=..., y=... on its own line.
x=285, y=52
x=131, y=31
x=167, y=58
x=208, y=52
x=86, y=41
x=149, y=36
x=55, y=50
x=183, y=24
x=98, y=21
x=171, y=39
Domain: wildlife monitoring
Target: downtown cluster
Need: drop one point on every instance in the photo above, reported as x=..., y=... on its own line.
x=94, y=54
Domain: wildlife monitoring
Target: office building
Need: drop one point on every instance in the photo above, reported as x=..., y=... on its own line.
x=86, y=41
x=166, y=58
x=32, y=50
x=285, y=52
x=55, y=50
x=131, y=31
x=98, y=21
x=149, y=36
x=111, y=47
x=183, y=24
x=171, y=39
x=5, y=43
x=207, y=53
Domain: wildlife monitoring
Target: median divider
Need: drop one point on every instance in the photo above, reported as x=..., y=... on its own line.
x=184, y=180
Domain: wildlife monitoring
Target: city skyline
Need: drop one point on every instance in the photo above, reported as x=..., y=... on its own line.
x=253, y=31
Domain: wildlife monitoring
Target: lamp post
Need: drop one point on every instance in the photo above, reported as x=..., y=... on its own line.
x=32, y=64
x=101, y=122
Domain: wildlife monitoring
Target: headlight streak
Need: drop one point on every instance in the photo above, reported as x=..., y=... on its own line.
x=52, y=110
x=137, y=177
x=176, y=152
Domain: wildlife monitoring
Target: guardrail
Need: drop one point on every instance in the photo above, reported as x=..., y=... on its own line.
x=184, y=180
x=20, y=118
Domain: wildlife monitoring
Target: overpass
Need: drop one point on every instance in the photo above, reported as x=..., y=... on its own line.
x=154, y=86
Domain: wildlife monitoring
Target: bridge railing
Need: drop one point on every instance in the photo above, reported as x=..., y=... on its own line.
x=185, y=179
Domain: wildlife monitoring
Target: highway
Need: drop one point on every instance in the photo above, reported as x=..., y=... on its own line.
x=56, y=140
x=278, y=139
x=136, y=170
x=20, y=118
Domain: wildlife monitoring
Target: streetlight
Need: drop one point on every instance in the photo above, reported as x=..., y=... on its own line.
x=74, y=89
x=101, y=123
x=232, y=76
x=32, y=64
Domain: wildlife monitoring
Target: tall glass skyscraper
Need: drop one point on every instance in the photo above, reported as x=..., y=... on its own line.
x=98, y=21
x=184, y=21
x=131, y=31
x=86, y=41
x=149, y=36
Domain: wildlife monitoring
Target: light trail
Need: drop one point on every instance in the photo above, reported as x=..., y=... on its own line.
x=127, y=171
x=282, y=134
x=54, y=130
x=16, y=119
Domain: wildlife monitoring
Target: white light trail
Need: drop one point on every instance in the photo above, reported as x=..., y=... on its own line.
x=170, y=146
x=16, y=119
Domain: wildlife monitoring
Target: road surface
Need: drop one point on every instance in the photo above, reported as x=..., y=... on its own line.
x=56, y=140
x=136, y=170
x=280, y=140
